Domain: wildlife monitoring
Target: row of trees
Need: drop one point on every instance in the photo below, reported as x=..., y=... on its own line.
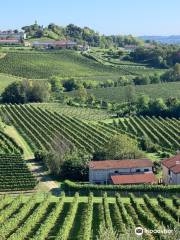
x=26, y=91
x=145, y=106
x=159, y=56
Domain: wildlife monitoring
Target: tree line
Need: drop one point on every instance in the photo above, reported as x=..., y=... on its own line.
x=83, y=35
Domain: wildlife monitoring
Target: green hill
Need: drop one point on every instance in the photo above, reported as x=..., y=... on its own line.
x=66, y=63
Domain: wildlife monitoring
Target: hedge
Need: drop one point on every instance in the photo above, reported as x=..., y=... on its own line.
x=72, y=186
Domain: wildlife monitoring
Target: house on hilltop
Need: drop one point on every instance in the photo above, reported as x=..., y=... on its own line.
x=171, y=170
x=134, y=171
x=9, y=41
x=12, y=34
x=55, y=44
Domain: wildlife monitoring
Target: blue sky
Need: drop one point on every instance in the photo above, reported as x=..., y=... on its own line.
x=137, y=17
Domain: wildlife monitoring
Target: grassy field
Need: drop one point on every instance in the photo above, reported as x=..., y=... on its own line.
x=6, y=79
x=119, y=94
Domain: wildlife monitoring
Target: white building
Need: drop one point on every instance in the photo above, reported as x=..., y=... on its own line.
x=171, y=170
x=12, y=34
x=121, y=171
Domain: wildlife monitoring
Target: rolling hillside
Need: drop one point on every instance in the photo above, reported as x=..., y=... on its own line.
x=42, y=65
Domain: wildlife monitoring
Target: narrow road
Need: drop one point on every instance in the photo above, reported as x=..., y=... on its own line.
x=46, y=183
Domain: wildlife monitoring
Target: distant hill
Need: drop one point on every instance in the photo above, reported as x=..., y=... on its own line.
x=174, y=39
x=78, y=34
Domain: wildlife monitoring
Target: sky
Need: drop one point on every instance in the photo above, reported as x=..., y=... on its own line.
x=136, y=17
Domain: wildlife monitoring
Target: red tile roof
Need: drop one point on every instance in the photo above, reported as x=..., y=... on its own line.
x=111, y=164
x=172, y=163
x=9, y=41
x=134, y=178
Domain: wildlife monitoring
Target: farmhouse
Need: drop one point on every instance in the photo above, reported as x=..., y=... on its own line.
x=171, y=170
x=55, y=44
x=134, y=171
x=12, y=34
x=9, y=41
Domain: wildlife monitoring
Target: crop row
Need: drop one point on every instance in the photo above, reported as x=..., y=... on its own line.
x=42, y=129
x=70, y=218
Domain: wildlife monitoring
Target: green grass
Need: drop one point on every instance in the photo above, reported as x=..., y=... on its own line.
x=119, y=94
x=12, y=132
x=5, y=80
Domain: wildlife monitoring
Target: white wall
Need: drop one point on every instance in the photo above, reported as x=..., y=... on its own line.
x=171, y=178
x=103, y=175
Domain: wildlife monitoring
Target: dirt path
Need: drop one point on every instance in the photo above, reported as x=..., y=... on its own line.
x=11, y=131
x=46, y=183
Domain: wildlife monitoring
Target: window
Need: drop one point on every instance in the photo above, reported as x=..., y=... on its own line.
x=116, y=172
x=146, y=170
x=138, y=170
x=169, y=172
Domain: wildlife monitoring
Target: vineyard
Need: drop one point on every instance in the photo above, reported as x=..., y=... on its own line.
x=77, y=218
x=77, y=112
x=42, y=128
x=119, y=94
x=42, y=65
x=164, y=132
x=14, y=174
x=7, y=145
x=127, y=68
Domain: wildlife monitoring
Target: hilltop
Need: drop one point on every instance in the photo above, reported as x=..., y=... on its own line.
x=83, y=35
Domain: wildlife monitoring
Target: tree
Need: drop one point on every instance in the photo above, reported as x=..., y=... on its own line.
x=142, y=80
x=121, y=146
x=75, y=166
x=14, y=93
x=36, y=90
x=155, y=78
x=64, y=160
x=143, y=103
x=157, y=107
x=130, y=93
x=56, y=85
x=81, y=94
x=70, y=84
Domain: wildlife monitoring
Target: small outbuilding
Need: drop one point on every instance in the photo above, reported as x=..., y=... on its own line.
x=133, y=171
x=171, y=170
